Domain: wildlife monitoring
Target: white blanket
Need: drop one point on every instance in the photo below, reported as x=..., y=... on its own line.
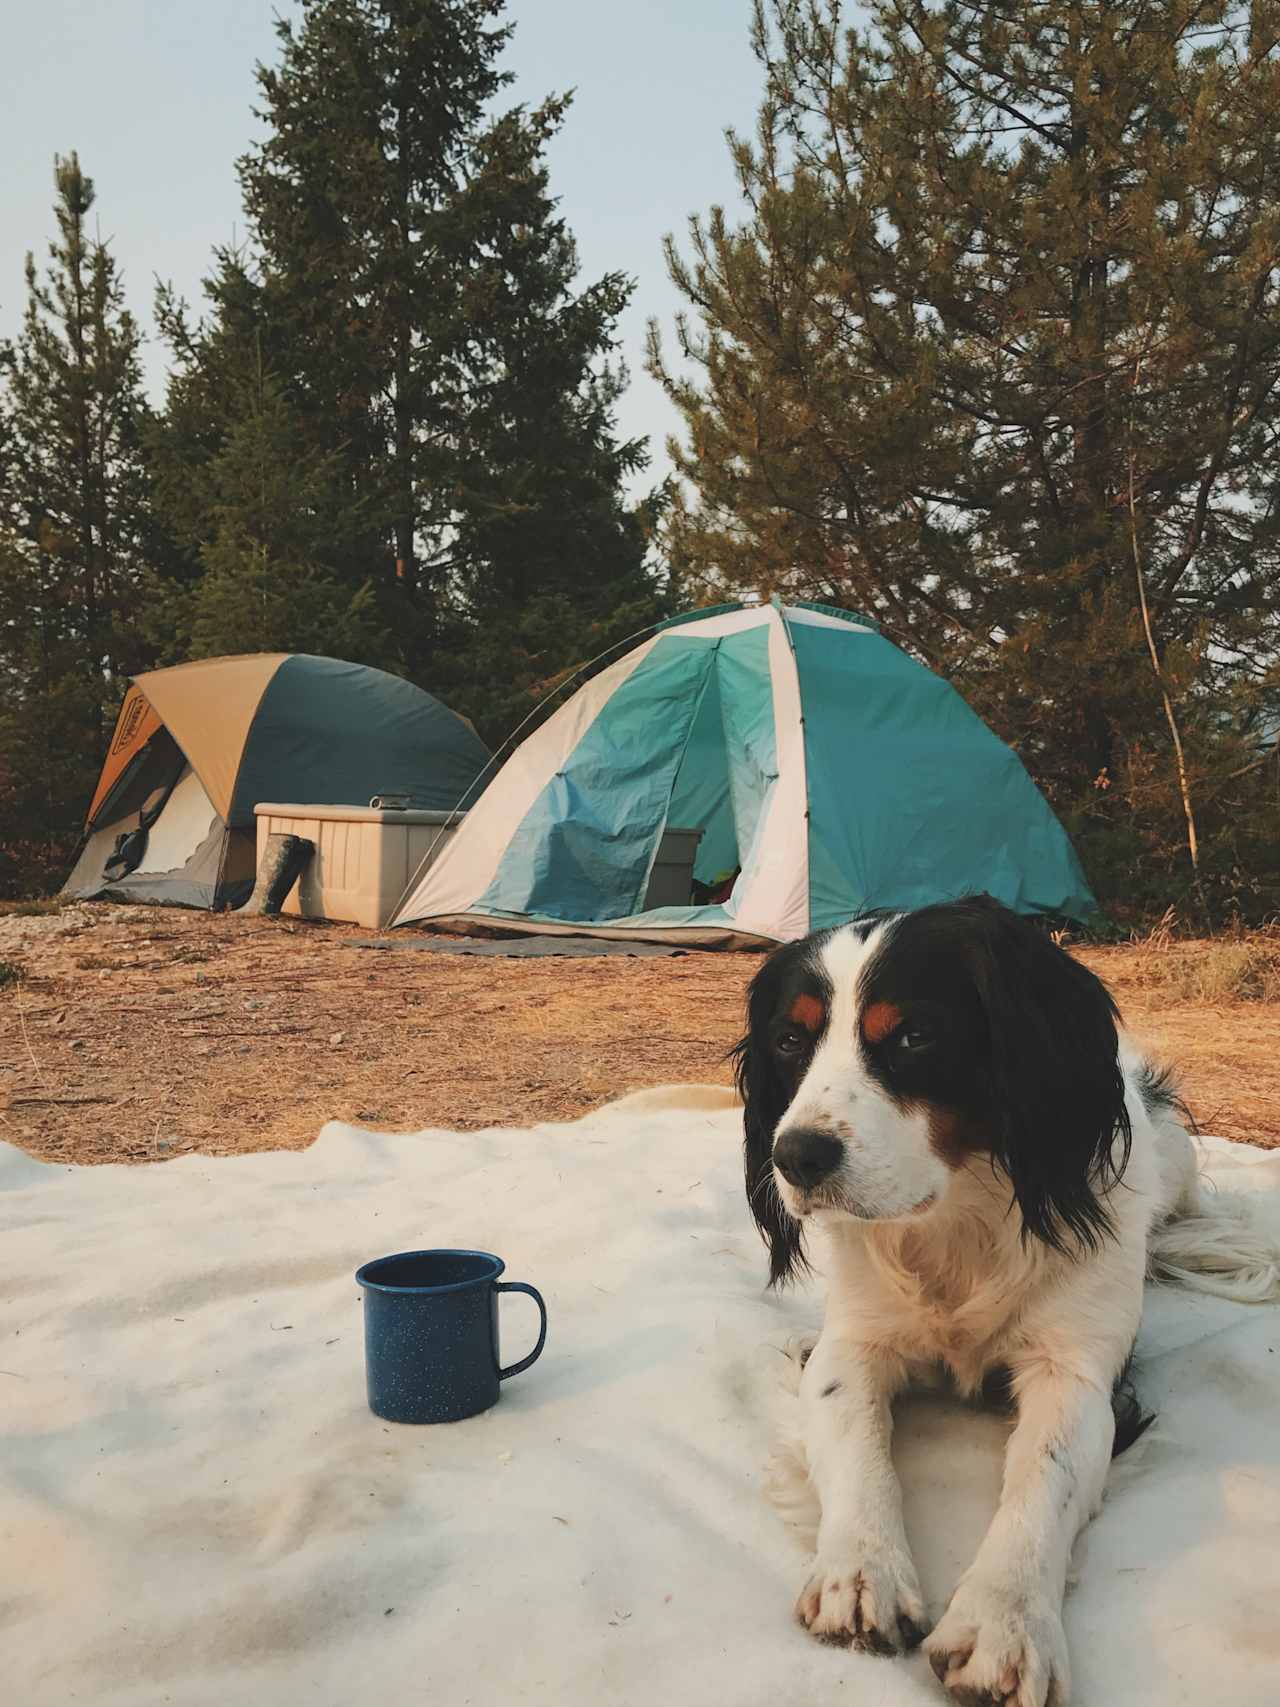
x=196, y=1506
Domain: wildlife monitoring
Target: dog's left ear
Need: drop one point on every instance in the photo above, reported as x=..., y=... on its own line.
x=764, y=1102
x=1061, y=1131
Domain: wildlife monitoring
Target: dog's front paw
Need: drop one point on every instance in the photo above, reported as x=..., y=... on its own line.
x=999, y=1647
x=867, y=1599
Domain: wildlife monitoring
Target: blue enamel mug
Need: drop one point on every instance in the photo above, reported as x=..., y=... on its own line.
x=431, y=1334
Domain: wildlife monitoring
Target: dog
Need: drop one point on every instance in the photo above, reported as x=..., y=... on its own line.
x=997, y=1169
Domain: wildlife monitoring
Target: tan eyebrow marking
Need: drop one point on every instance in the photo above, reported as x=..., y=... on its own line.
x=879, y=1020
x=809, y=1012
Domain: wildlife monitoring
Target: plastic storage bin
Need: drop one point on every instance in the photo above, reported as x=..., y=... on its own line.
x=364, y=856
x=671, y=880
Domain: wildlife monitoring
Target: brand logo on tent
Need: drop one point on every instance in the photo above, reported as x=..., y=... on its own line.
x=130, y=716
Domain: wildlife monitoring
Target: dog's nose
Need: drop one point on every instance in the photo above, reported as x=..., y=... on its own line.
x=804, y=1159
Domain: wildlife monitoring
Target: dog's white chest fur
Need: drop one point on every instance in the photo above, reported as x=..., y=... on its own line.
x=952, y=1288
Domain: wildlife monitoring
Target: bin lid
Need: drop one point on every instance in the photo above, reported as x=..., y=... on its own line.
x=355, y=814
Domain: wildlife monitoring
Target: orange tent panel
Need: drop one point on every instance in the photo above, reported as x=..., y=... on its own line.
x=135, y=726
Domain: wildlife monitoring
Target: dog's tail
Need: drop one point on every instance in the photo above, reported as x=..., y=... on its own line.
x=1214, y=1244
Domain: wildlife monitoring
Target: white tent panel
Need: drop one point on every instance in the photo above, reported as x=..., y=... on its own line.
x=455, y=883
x=722, y=623
x=738, y=621
x=818, y=619
x=771, y=897
x=187, y=819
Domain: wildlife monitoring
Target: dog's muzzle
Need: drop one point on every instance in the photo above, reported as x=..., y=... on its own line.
x=805, y=1157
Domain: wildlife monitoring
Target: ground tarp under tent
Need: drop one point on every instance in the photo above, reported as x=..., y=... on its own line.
x=819, y=771
x=196, y=746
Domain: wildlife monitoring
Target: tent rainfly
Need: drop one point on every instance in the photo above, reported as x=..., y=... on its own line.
x=822, y=772
x=196, y=746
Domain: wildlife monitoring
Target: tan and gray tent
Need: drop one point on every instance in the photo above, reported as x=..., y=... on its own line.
x=196, y=746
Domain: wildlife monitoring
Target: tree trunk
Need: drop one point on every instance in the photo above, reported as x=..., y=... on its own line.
x=1092, y=524
x=83, y=436
x=406, y=567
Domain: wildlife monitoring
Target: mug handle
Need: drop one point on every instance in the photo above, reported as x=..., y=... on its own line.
x=519, y=1286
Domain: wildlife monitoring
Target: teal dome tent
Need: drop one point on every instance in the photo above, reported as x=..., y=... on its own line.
x=819, y=772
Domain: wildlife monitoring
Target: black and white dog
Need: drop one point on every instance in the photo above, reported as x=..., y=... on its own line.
x=946, y=1095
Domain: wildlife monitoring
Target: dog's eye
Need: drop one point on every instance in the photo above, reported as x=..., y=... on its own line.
x=913, y=1040
x=792, y=1042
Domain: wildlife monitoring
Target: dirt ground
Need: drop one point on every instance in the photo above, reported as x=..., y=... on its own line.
x=140, y=1033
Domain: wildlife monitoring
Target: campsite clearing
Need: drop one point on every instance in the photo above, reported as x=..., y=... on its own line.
x=138, y=1033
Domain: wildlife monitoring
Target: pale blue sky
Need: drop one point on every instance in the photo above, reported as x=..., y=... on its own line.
x=156, y=96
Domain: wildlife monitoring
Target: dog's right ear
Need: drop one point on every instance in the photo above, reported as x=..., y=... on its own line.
x=764, y=1101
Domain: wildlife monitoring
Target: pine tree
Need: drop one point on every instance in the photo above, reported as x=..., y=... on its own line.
x=413, y=292
x=265, y=586
x=994, y=355
x=262, y=520
x=359, y=205
x=548, y=563
x=73, y=519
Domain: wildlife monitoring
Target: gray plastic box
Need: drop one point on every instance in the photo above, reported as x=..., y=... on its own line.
x=671, y=880
x=364, y=856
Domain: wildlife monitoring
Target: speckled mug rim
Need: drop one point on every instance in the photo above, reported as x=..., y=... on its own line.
x=486, y=1279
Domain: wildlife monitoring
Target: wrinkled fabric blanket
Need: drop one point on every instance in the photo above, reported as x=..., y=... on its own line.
x=197, y=1507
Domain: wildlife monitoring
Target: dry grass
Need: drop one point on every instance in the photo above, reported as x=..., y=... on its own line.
x=1226, y=972
x=1239, y=967
x=156, y=1032
x=137, y=1033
